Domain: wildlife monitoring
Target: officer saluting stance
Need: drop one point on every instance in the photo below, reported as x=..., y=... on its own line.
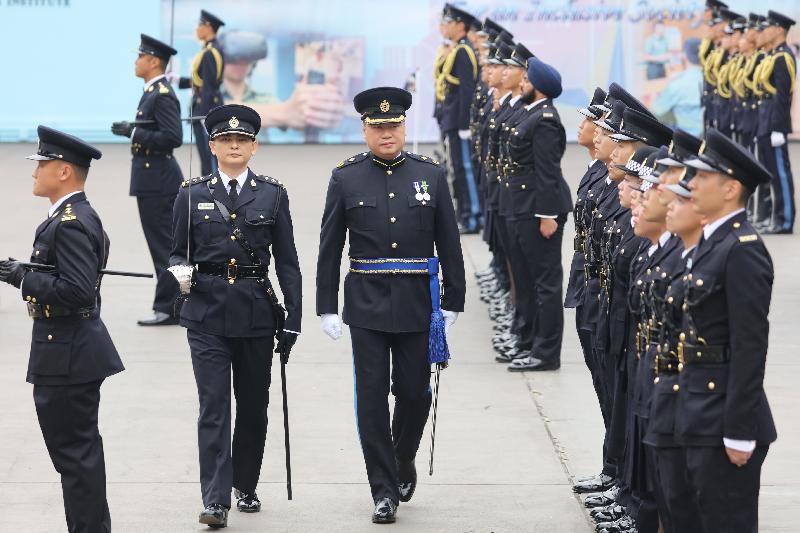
x=71, y=351
x=155, y=175
x=237, y=219
x=396, y=206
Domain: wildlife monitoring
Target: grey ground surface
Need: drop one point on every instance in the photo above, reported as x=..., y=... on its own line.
x=507, y=445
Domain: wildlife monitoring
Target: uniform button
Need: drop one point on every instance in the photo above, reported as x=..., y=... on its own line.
x=393, y=220
x=676, y=387
x=680, y=367
x=524, y=186
x=656, y=380
x=260, y=216
x=737, y=225
x=360, y=203
x=670, y=300
x=394, y=245
x=233, y=216
x=36, y=253
x=682, y=336
x=233, y=237
x=147, y=165
x=28, y=298
x=699, y=283
x=206, y=217
x=712, y=385
x=391, y=195
x=49, y=337
x=33, y=300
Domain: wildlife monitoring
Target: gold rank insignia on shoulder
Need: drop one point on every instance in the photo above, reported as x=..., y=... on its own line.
x=748, y=238
x=340, y=165
x=162, y=89
x=252, y=183
x=68, y=214
x=150, y=89
x=547, y=115
x=233, y=122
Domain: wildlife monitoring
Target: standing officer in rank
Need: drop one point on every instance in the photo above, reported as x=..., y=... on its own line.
x=71, y=351
x=238, y=220
x=205, y=82
x=155, y=174
x=396, y=206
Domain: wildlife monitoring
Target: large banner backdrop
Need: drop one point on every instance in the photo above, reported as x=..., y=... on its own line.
x=69, y=63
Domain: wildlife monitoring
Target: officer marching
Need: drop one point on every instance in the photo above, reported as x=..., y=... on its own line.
x=205, y=82
x=238, y=221
x=155, y=174
x=394, y=206
x=71, y=353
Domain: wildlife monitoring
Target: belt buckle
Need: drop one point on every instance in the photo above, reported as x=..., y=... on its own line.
x=232, y=272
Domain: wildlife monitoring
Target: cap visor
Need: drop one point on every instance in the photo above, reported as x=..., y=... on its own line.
x=651, y=178
x=623, y=137
x=37, y=157
x=587, y=113
x=605, y=125
x=670, y=162
x=700, y=165
x=680, y=191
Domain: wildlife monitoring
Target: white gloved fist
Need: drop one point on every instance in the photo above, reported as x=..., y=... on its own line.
x=464, y=134
x=172, y=77
x=185, y=276
x=331, y=326
x=450, y=318
x=777, y=139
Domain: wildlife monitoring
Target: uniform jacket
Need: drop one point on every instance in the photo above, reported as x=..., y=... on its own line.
x=240, y=309
x=775, y=107
x=376, y=208
x=516, y=114
x=206, y=79
x=72, y=349
x=154, y=171
x=728, y=298
x=461, y=74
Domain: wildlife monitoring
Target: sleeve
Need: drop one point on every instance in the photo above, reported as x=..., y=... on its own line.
x=748, y=289
x=331, y=243
x=73, y=286
x=547, y=149
x=185, y=83
x=779, y=120
x=180, y=233
x=287, y=267
x=168, y=133
x=464, y=70
x=448, y=248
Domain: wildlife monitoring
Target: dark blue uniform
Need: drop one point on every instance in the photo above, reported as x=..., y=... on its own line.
x=375, y=204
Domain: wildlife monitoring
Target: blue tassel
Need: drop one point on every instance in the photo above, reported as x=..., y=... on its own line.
x=438, y=352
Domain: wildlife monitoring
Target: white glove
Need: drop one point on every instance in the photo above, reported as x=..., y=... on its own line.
x=185, y=275
x=464, y=134
x=172, y=77
x=777, y=138
x=331, y=326
x=450, y=318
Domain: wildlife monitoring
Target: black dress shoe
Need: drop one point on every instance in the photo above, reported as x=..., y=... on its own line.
x=511, y=355
x=532, y=364
x=623, y=525
x=215, y=516
x=599, y=484
x=608, y=513
x=385, y=511
x=603, y=499
x=247, y=502
x=407, y=479
x=159, y=319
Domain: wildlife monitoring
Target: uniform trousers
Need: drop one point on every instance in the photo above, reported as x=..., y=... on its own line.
x=465, y=188
x=208, y=162
x=250, y=360
x=776, y=160
x=155, y=213
x=383, y=442
x=519, y=279
x=68, y=419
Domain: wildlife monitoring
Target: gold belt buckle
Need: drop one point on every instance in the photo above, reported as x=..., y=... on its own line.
x=232, y=271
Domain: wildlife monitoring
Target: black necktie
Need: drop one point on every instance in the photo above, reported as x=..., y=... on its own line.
x=233, y=194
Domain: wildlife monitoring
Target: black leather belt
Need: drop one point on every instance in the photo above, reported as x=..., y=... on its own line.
x=520, y=171
x=147, y=152
x=592, y=271
x=44, y=311
x=232, y=271
x=700, y=354
x=666, y=365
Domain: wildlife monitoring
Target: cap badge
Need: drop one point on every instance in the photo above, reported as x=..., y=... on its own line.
x=702, y=148
x=384, y=106
x=233, y=122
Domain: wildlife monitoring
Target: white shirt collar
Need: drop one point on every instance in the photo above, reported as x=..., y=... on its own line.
x=515, y=100
x=491, y=91
x=591, y=164
x=652, y=250
x=662, y=241
x=537, y=102
x=240, y=179
x=59, y=202
x=711, y=227
x=608, y=181
x=151, y=82
x=687, y=252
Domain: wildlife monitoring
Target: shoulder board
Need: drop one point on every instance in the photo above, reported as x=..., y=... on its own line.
x=271, y=181
x=744, y=232
x=162, y=89
x=68, y=214
x=423, y=158
x=195, y=181
x=353, y=159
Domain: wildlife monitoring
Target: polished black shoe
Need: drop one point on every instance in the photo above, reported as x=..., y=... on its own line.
x=159, y=319
x=532, y=364
x=511, y=355
x=603, y=499
x=385, y=511
x=609, y=513
x=407, y=479
x=623, y=525
x=247, y=502
x=598, y=484
x=215, y=516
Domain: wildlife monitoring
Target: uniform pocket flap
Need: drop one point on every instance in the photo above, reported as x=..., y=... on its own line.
x=359, y=201
x=712, y=379
x=255, y=216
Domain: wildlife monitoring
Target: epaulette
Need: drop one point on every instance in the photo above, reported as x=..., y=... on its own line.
x=272, y=181
x=162, y=89
x=354, y=159
x=68, y=214
x=423, y=158
x=744, y=232
x=547, y=112
x=195, y=181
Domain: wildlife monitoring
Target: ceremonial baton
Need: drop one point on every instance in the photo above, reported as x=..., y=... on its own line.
x=435, y=409
x=41, y=267
x=184, y=119
x=286, y=430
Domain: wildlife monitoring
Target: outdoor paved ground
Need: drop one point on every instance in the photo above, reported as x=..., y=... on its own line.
x=507, y=445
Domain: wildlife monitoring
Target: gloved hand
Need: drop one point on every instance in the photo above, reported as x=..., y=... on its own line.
x=450, y=318
x=172, y=77
x=123, y=128
x=777, y=139
x=285, y=343
x=464, y=134
x=331, y=326
x=185, y=275
x=12, y=272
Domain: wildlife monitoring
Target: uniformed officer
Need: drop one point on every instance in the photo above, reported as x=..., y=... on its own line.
x=723, y=419
x=460, y=74
x=393, y=206
x=205, y=82
x=540, y=202
x=71, y=351
x=239, y=219
x=155, y=174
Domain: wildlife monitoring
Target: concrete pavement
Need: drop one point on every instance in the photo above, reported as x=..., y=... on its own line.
x=506, y=444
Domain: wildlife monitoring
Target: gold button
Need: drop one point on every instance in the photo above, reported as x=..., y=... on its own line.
x=670, y=300
x=49, y=337
x=233, y=237
x=360, y=203
x=736, y=225
x=524, y=186
x=33, y=300
x=393, y=220
x=638, y=283
x=508, y=184
x=699, y=355
x=676, y=387
x=230, y=281
x=147, y=165
x=260, y=216
x=391, y=195
x=394, y=245
x=206, y=217
x=389, y=172
x=682, y=336
x=712, y=385
x=699, y=282
x=680, y=367
x=28, y=298
x=36, y=253
x=656, y=380
x=233, y=216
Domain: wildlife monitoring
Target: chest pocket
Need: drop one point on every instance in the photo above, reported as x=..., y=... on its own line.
x=209, y=225
x=39, y=252
x=422, y=212
x=361, y=212
x=258, y=224
x=699, y=287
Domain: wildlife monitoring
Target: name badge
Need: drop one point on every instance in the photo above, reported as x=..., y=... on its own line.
x=205, y=206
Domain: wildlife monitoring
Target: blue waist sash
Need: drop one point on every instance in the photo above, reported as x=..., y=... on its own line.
x=438, y=351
